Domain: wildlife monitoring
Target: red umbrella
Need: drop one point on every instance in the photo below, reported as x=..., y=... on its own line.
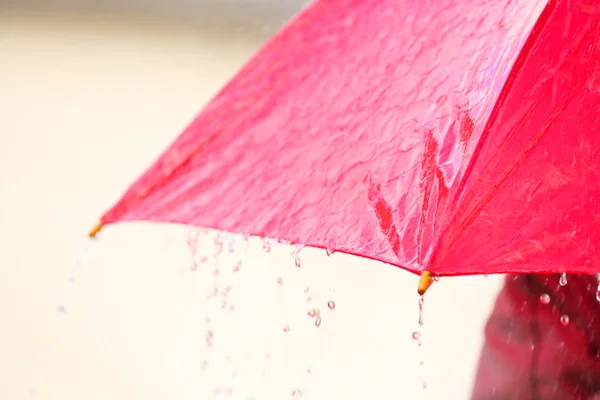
x=447, y=138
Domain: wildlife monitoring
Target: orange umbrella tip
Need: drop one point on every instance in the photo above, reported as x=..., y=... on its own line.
x=424, y=282
x=95, y=230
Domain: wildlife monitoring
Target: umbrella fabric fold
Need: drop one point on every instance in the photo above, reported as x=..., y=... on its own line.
x=454, y=137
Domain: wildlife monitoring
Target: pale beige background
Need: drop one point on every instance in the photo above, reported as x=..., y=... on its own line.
x=86, y=102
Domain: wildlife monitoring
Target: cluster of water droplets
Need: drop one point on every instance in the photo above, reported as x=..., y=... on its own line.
x=225, y=248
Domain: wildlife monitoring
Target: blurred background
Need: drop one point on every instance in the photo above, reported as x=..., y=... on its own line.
x=92, y=91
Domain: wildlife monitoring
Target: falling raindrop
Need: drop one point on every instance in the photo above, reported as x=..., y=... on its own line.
x=545, y=298
x=236, y=267
x=329, y=252
x=318, y=322
x=564, y=320
x=416, y=335
x=280, y=281
x=562, y=281
x=267, y=244
x=209, y=338
x=296, y=255
x=331, y=304
x=231, y=244
x=192, y=242
x=219, y=241
x=297, y=394
x=315, y=312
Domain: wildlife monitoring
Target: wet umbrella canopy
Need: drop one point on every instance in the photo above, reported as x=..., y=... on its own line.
x=450, y=137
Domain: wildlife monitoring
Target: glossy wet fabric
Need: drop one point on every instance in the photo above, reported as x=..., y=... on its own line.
x=458, y=136
x=530, y=354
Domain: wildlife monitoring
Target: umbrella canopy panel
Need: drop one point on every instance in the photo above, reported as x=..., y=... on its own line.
x=451, y=136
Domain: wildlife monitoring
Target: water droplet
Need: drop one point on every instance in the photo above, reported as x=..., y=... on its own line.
x=331, y=304
x=267, y=245
x=231, y=245
x=564, y=320
x=192, y=242
x=329, y=252
x=545, y=298
x=192, y=238
x=315, y=312
x=318, y=322
x=219, y=241
x=296, y=255
x=209, y=338
x=236, y=267
x=61, y=309
x=416, y=335
x=286, y=329
x=226, y=291
x=280, y=281
x=562, y=281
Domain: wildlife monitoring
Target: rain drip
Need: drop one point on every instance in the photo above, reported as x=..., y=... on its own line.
x=418, y=337
x=296, y=255
x=231, y=245
x=192, y=241
x=562, y=281
x=267, y=245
